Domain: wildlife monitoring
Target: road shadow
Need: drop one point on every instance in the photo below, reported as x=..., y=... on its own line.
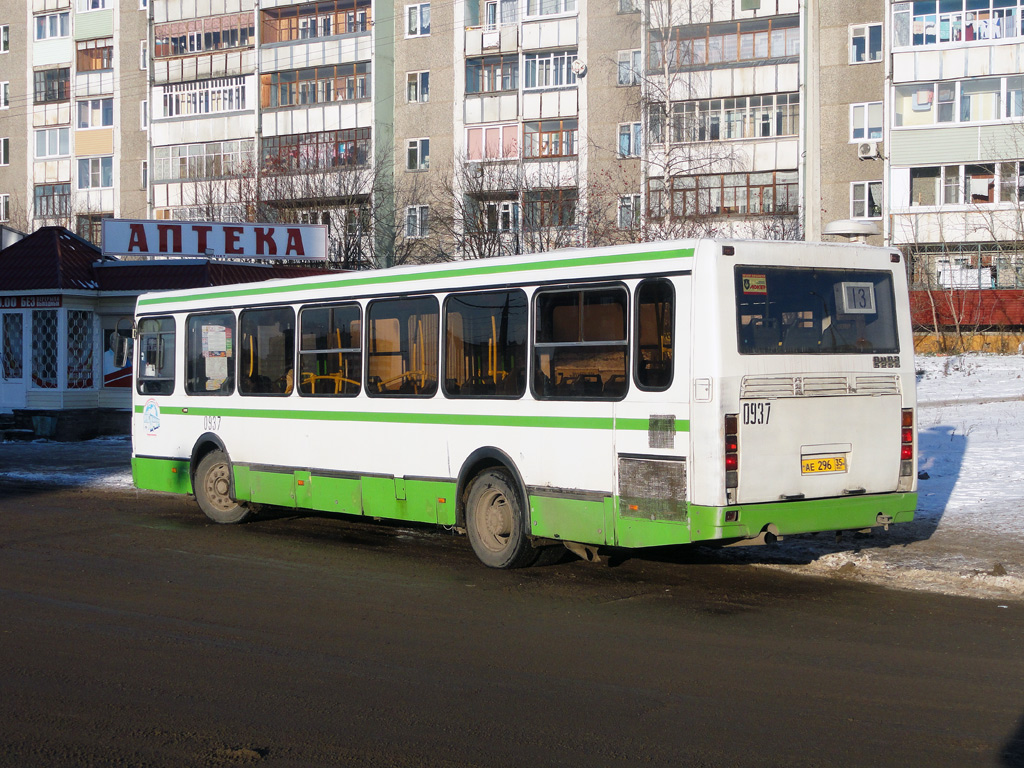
x=1012, y=755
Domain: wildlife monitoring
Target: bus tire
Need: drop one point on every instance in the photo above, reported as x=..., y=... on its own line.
x=495, y=522
x=213, y=490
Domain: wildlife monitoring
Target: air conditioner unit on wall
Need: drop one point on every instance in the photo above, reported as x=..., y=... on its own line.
x=868, y=150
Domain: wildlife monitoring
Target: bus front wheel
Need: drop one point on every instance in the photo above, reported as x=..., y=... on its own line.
x=213, y=490
x=495, y=522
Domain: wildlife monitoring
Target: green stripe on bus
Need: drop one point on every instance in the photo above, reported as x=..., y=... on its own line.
x=447, y=419
x=377, y=278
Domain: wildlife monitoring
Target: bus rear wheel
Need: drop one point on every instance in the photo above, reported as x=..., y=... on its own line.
x=495, y=522
x=213, y=490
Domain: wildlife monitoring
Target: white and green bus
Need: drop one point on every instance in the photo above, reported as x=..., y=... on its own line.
x=658, y=394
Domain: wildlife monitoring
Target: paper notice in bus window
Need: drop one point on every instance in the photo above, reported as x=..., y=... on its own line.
x=856, y=298
x=216, y=341
x=755, y=284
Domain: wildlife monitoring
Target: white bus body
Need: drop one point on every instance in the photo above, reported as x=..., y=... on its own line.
x=637, y=396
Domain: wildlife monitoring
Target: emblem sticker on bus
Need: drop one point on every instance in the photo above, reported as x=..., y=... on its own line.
x=755, y=284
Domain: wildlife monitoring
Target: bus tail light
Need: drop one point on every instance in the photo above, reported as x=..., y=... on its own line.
x=907, y=443
x=732, y=450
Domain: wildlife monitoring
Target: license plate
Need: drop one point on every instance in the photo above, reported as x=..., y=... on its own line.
x=822, y=464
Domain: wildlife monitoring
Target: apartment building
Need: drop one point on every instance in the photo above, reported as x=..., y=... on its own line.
x=72, y=119
x=955, y=140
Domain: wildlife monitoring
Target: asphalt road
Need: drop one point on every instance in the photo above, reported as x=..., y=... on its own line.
x=133, y=633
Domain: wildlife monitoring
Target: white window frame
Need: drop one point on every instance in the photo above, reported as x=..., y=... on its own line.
x=56, y=134
x=417, y=221
x=863, y=31
x=5, y=207
x=62, y=19
x=143, y=54
x=630, y=66
x=5, y=94
x=85, y=6
x=92, y=111
x=420, y=82
x=417, y=20
x=505, y=153
x=143, y=114
x=630, y=204
x=544, y=70
x=863, y=200
x=537, y=8
x=634, y=132
x=421, y=160
x=860, y=119
x=144, y=172
x=5, y=38
x=99, y=162
x=143, y=5
x=5, y=151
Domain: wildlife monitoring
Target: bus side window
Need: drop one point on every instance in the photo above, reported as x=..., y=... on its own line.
x=655, y=317
x=266, y=365
x=581, y=347
x=156, y=356
x=485, y=344
x=209, y=354
x=402, y=354
x=330, y=354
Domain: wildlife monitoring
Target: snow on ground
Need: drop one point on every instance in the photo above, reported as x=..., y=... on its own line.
x=967, y=538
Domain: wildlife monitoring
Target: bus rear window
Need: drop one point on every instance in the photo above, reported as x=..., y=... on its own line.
x=797, y=310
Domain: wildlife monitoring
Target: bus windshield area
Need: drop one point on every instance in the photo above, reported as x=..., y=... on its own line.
x=801, y=310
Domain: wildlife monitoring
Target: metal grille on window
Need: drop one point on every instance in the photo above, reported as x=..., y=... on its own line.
x=13, y=345
x=79, y=349
x=44, y=348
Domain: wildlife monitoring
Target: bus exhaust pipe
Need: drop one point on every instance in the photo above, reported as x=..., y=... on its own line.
x=768, y=535
x=583, y=551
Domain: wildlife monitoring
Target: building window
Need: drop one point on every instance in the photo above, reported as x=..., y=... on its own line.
x=492, y=74
x=293, y=153
x=143, y=115
x=417, y=20
x=53, y=85
x=44, y=348
x=143, y=54
x=548, y=70
x=212, y=160
x=744, y=117
x=494, y=215
x=5, y=151
x=417, y=155
x=5, y=38
x=724, y=43
x=866, y=121
x=94, y=5
x=493, y=142
x=953, y=21
x=417, y=87
x=629, y=67
x=214, y=33
x=143, y=5
x=95, y=55
x=5, y=95
x=53, y=142
x=630, y=6
x=144, y=175
x=629, y=139
x=305, y=22
x=5, y=207
x=203, y=97
x=95, y=172
x=865, y=43
x=79, y=349
x=52, y=200
x=866, y=200
x=53, y=25
x=90, y=226
x=550, y=208
x=730, y=194
x=549, y=7
x=550, y=138
x=973, y=184
x=975, y=100
x=316, y=85
x=416, y=222
x=629, y=212
x=95, y=113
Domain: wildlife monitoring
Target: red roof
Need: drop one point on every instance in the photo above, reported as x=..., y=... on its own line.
x=974, y=308
x=52, y=258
